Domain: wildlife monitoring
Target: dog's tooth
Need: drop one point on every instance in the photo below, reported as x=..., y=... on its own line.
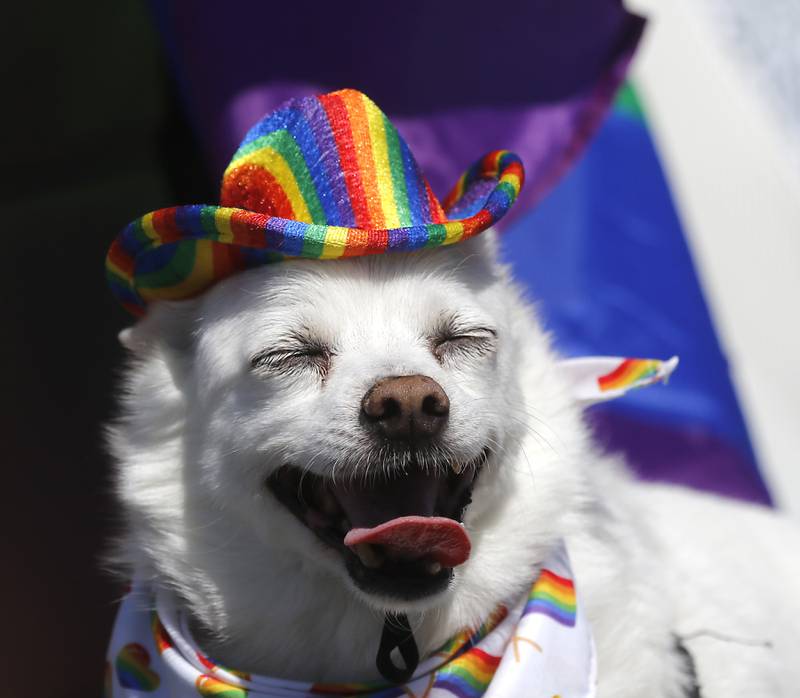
x=369, y=555
x=433, y=568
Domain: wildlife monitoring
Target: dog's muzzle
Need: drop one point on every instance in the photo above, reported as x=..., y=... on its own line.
x=400, y=533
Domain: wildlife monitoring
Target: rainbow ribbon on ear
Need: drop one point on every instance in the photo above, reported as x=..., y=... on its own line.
x=600, y=378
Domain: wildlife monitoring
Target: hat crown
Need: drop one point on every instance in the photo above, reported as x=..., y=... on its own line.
x=333, y=160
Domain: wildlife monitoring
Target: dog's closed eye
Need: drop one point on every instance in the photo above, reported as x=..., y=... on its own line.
x=455, y=340
x=296, y=356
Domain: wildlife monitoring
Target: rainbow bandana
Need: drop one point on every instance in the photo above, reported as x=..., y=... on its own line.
x=321, y=178
x=540, y=647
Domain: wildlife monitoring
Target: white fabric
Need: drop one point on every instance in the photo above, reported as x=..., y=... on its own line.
x=541, y=648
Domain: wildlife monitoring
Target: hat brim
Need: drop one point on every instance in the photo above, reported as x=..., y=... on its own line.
x=177, y=253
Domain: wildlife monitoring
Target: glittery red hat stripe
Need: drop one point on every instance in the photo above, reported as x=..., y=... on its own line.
x=340, y=124
x=363, y=145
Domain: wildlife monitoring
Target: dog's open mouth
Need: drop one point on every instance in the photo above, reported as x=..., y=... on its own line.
x=399, y=535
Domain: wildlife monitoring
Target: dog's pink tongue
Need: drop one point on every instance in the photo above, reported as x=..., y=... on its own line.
x=436, y=538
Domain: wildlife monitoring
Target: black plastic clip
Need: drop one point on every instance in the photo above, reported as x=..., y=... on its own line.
x=397, y=634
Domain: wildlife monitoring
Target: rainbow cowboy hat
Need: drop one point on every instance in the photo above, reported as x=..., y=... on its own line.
x=322, y=178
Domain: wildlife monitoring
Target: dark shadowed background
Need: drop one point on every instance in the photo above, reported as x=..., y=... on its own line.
x=90, y=125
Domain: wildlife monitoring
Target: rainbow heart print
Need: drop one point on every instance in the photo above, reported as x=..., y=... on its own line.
x=133, y=668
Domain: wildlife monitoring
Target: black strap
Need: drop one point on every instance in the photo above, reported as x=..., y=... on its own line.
x=397, y=634
x=693, y=689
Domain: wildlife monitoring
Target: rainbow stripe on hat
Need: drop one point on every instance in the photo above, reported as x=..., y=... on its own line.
x=552, y=596
x=630, y=373
x=321, y=178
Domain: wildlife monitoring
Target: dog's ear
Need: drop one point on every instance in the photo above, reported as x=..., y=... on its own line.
x=169, y=324
x=488, y=245
x=480, y=257
x=169, y=329
x=481, y=249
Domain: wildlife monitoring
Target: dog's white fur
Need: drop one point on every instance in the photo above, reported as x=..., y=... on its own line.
x=200, y=431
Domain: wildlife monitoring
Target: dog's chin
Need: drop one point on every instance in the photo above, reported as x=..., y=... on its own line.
x=397, y=569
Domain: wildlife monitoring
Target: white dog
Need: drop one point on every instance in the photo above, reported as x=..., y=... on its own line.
x=296, y=403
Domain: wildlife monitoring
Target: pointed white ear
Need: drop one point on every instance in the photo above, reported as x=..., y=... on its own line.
x=167, y=330
x=487, y=244
x=480, y=255
x=136, y=338
x=169, y=324
x=125, y=338
x=595, y=379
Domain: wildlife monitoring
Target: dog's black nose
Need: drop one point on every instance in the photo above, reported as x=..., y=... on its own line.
x=406, y=408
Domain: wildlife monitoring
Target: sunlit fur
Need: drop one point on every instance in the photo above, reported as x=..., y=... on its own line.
x=200, y=431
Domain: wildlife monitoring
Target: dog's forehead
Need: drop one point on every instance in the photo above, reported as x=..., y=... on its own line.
x=361, y=296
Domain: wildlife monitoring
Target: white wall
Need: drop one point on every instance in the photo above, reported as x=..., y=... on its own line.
x=730, y=161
